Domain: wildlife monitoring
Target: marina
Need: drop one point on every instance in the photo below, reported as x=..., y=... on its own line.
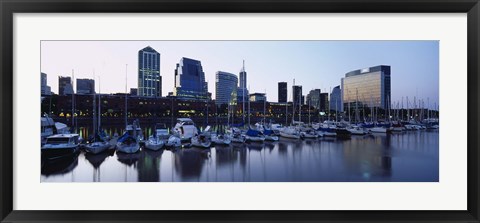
x=408, y=156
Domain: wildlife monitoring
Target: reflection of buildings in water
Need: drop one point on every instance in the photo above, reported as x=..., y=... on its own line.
x=148, y=165
x=129, y=159
x=189, y=162
x=270, y=146
x=59, y=166
x=369, y=156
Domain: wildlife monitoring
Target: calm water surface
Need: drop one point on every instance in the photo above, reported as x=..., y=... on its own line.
x=404, y=157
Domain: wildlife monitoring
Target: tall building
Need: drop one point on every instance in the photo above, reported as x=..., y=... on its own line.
x=297, y=94
x=85, y=86
x=149, y=79
x=190, y=80
x=324, y=102
x=370, y=86
x=242, y=91
x=313, y=98
x=45, y=89
x=282, y=92
x=65, y=85
x=336, y=99
x=225, y=84
x=258, y=97
x=133, y=92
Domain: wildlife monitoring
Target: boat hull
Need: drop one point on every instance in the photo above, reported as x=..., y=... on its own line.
x=128, y=148
x=50, y=152
x=97, y=147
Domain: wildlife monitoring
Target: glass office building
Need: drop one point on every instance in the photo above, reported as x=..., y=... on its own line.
x=190, y=80
x=225, y=84
x=149, y=79
x=336, y=99
x=313, y=98
x=85, y=86
x=65, y=85
x=370, y=87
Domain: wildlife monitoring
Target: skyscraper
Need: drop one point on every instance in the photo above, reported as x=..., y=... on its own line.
x=225, y=84
x=45, y=89
x=297, y=94
x=65, y=85
x=282, y=92
x=149, y=79
x=370, y=86
x=85, y=86
x=336, y=99
x=242, y=91
x=324, y=102
x=190, y=80
x=313, y=98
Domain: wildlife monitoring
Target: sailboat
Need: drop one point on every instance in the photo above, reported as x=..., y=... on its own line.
x=99, y=143
x=128, y=142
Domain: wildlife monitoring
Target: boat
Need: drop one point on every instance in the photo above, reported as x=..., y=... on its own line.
x=173, y=141
x=97, y=147
x=221, y=139
x=157, y=140
x=355, y=130
x=59, y=145
x=185, y=129
x=270, y=135
x=201, y=141
x=378, y=129
x=236, y=135
x=343, y=133
x=128, y=142
x=309, y=134
x=290, y=133
x=253, y=135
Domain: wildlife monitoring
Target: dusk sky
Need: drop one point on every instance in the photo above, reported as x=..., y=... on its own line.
x=313, y=64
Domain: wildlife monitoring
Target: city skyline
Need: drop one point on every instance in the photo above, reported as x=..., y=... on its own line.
x=313, y=64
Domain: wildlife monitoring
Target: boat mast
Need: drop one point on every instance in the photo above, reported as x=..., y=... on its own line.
x=243, y=90
x=293, y=101
x=264, y=107
x=248, y=108
x=99, y=105
x=94, y=114
x=73, y=99
x=126, y=68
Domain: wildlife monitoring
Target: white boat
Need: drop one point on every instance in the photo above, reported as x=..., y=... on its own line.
x=290, y=133
x=157, y=140
x=173, y=141
x=309, y=134
x=97, y=147
x=355, y=130
x=201, y=141
x=128, y=142
x=236, y=135
x=60, y=145
x=185, y=129
x=271, y=138
x=378, y=130
x=221, y=139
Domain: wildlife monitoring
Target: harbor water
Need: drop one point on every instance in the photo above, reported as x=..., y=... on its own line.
x=401, y=157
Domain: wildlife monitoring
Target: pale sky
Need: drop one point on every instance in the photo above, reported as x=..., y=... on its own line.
x=313, y=64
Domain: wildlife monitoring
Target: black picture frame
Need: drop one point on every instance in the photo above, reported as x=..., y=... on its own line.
x=9, y=7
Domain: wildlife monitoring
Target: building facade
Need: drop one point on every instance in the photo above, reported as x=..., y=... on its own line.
x=258, y=97
x=370, y=86
x=225, y=85
x=324, y=102
x=282, y=92
x=85, y=86
x=297, y=94
x=149, y=79
x=313, y=98
x=190, y=80
x=45, y=89
x=242, y=91
x=65, y=85
x=336, y=99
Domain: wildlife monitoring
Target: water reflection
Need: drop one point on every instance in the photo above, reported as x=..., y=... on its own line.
x=409, y=157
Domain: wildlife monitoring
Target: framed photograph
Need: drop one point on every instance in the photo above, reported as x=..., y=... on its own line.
x=201, y=111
